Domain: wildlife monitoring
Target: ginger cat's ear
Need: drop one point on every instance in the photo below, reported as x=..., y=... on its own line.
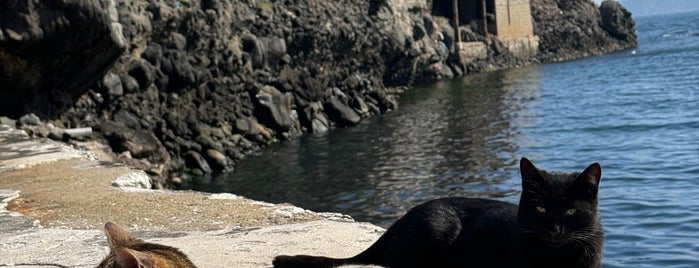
x=127, y=258
x=119, y=237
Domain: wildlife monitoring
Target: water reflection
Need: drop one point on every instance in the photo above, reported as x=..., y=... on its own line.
x=453, y=138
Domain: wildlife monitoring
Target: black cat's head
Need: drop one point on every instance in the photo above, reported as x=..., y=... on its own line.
x=559, y=208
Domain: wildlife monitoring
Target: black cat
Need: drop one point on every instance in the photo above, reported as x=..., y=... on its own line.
x=557, y=224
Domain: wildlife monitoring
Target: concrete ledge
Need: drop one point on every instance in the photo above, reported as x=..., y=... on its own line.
x=18, y=150
x=243, y=248
x=61, y=199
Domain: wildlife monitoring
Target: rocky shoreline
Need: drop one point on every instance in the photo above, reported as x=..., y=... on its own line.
x=175, y=85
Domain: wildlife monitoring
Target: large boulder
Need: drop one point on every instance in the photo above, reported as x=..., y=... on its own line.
x=51, y=51
x=617, y=21
x=574, y=28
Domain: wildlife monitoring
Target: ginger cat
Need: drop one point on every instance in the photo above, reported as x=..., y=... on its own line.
x=126, y=251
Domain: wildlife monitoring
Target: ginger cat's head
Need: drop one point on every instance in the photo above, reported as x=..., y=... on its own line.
x=126, y=251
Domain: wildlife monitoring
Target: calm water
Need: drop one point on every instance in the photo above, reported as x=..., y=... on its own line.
x=635, y=113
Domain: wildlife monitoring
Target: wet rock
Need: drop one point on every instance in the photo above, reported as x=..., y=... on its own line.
x=360, y=106
x=42, y=75
x=208, y=142
x=218, y=160
x=341, y=113
x=194, y=160
x=248, y=126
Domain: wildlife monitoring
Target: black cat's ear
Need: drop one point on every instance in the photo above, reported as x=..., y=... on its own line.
x=530, y=174
x=591, y=175
x=587, y=183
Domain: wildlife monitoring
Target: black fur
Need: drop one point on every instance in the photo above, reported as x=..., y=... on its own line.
x=556, y=225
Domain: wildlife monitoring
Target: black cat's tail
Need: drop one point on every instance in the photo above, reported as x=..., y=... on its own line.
x=305, y=261
x=368, y=257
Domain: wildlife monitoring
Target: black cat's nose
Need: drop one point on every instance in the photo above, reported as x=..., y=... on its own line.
x=556, y=231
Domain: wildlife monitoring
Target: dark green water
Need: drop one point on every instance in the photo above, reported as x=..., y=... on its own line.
x=635, y=113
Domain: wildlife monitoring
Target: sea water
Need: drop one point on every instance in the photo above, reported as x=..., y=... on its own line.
x=635, y=112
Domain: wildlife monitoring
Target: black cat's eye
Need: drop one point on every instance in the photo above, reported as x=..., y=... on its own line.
x=540, y=209
x=571, y=211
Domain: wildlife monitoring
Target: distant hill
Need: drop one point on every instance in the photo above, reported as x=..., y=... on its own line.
x=650, y=7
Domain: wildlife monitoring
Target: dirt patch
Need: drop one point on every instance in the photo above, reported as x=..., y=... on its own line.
x=77, y=194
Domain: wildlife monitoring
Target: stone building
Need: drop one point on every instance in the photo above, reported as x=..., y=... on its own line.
x=509, y=20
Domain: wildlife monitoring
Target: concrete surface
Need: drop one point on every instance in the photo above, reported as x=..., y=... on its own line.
x=54, y=201
x=237, y=247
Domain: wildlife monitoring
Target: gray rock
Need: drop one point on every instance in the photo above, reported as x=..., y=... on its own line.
x=194, y=160
x=276, y=49
x=177, y=41
x=274, y=108
x=218, y=159
x=575, y=28
x=112, y=83
x=4, y=120
x=29, y=120
x=617, y=20
x=341, y=113
x=255, y=48
x=143, y=72
x=140, y=143
x=50, y=47
x=153, y=53
x=136, y=179
x=129, y=84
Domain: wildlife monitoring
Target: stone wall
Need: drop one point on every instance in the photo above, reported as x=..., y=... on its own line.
x=513, y=19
